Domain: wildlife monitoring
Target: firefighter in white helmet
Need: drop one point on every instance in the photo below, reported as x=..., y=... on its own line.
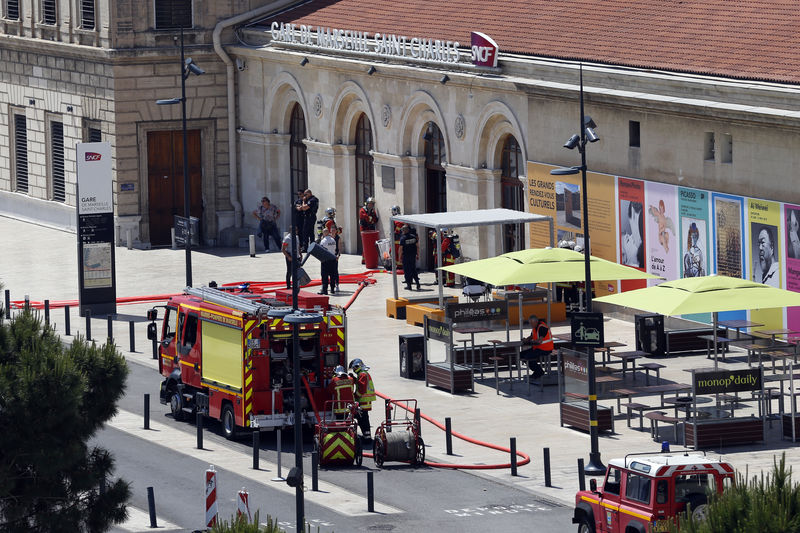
x=364, y=395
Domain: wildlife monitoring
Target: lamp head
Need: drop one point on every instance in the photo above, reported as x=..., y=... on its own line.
x=191, y=67
x=572, y=142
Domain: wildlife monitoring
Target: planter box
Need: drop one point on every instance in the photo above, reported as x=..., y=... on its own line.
x=717, y=433
x=576, y=414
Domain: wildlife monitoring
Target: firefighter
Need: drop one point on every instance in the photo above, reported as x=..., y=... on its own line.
x=340, y=390
x=364, y=394
x=541, y=345
x=328, y=222
x=367, y=218
x=409, y=253
x=448, y=256
x=398, y=231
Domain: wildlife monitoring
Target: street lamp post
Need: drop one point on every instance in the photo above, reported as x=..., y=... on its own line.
x=188, y=67
x=587, y=134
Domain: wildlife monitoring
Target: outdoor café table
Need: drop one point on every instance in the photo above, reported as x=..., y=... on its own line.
x=738, y=325
x=607, y=348
x=773, y=333
x=631, y=356
x=722, y=342
x=510, y=344
x=661, y=390
x=685, y=402
x=472, y=331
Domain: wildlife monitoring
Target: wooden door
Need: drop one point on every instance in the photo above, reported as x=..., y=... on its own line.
x=165, y=180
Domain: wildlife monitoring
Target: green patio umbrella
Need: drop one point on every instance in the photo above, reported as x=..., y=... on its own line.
x=704, y=294
x=543, y=265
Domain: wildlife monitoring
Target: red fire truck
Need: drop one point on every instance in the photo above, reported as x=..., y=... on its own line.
x=230, y=357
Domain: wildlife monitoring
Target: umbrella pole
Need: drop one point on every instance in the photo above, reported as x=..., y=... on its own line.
x=715, y=321
x=394, y=262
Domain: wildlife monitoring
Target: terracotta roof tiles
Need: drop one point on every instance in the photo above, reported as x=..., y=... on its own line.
x=751, y=39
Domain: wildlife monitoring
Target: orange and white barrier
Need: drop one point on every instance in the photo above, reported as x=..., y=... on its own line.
x=243, y=506
x=211, y=496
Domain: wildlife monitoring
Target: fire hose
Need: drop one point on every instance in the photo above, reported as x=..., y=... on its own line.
x=525, y=457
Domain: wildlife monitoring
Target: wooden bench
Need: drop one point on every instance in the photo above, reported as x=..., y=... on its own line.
x=650, y=390
x=660, y=416
x=725, y=432
x=647, y=367
x=688, y=340
x=641, y=408
x=576, y=414
x=438, y=375
x=631, y=356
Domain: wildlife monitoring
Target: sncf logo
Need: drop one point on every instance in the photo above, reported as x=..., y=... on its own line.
x=92, y=156
x=484, y=50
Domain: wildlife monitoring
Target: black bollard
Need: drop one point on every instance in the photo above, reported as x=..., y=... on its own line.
x=199, y=423
x=315, y=470
x=370, y=493
x=7, y=307
x=47, y=312
x=88, y=316
x=131, y=336
x=256, y=447
x=581, y=475
x=147, y=411
x=547, y=482
x=513, y=456
x=448, y=436
x=27, y=303
x=151, y=506
x=110, y=326
x=66, y=320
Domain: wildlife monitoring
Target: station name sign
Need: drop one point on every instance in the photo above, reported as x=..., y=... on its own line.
x=383, y=44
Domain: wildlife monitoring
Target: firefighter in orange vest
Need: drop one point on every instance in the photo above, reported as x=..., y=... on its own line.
x=364, y=395
x=340, y=390
x=541, y=345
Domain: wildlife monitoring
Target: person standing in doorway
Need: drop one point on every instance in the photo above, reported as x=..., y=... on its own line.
x=267, y=215
x=367, y=218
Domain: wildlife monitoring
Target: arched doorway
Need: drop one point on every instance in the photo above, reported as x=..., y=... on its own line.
x=435, y=178
x=298, y=160
x=512, y=192
x=365, y=174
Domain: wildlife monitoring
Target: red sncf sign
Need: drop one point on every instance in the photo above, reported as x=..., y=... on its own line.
x=92, y=156
x=484, y=50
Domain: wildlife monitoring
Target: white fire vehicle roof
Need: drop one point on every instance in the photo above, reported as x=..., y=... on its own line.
x=478, y=217
x=658, y=460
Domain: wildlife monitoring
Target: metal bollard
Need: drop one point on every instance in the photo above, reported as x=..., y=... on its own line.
x=315, y=471
x=252, y=244
x=370, y=492
x=547, y=481
x=151, y=506
x=7, y=307
x=27, y=302
x=66, y=319
x=513, y=456
x=256, y=447
x=110, y=329
x=47, y=312
x=581, y=475
x=199, y=423
x=129, y=238
x=88, y=316
x=279, y=477
x=448, y=436
x=131, y=336
x=147, y=411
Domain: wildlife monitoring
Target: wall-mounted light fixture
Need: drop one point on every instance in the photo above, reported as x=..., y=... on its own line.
x=372, y=70
x=275, y=130
x=304, y=62
x=444, y=79
x=69, y=109
x=31, y=101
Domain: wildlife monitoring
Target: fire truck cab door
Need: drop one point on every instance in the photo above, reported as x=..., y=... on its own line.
x=168, y=334
x=609, y=520
x=189, y=347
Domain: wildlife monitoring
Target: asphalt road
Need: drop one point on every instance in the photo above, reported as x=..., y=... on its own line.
x=408, y=499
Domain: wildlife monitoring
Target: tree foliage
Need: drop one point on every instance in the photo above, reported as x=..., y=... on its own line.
x=53, y=399
x=767, y=503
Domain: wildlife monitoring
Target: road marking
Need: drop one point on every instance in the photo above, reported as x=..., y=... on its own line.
x=489, y=510
x=329, y=495
x=139, y=521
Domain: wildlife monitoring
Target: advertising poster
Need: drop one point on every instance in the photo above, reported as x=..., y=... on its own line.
x=765, y=253
x=603, y=224
x=693, y=212
x=631, y=228
x=728, y=230
x=791, y=214
x=661, y=230
x=542, y=201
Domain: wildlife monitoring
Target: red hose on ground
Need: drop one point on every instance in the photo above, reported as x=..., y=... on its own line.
x=525, y=458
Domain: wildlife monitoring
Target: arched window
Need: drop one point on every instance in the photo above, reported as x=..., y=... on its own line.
x=512, y=192
x=298, y=162
x=365, y=173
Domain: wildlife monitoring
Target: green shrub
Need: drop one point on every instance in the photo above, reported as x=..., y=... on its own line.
x=241, y=524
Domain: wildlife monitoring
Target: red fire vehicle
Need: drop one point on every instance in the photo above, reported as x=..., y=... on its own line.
x=642, y=492
x=231, y=357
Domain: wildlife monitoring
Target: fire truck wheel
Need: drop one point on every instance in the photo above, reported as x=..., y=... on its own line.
x=585, y=526
x=176, y=405
x=699, y=505
x=228, y=422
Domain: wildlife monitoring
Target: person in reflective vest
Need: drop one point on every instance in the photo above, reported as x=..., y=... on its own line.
x=541, y=345
x=341, y=392
x=364, y=395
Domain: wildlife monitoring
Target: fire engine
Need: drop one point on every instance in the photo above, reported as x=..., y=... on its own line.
x=644, y=492
x=230, y=357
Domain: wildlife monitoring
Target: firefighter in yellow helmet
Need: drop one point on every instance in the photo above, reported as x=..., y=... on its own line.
x=364, y=395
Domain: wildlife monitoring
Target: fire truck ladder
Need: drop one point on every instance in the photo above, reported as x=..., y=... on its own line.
x=216, y=296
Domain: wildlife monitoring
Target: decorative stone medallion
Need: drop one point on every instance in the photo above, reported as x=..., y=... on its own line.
x=318, y=106
x=386, y=115
x=460, y=126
